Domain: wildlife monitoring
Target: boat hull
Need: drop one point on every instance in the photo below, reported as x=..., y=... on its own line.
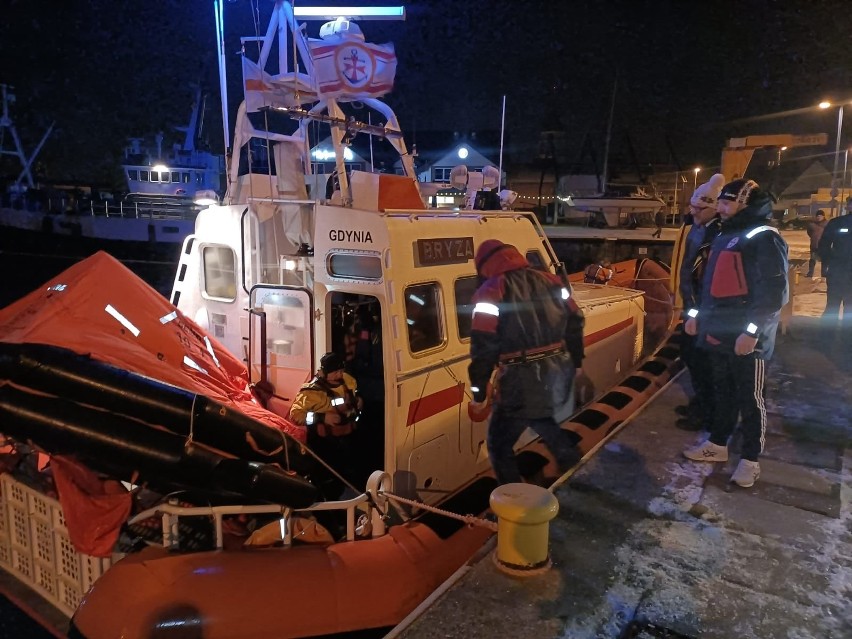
x=300, y=591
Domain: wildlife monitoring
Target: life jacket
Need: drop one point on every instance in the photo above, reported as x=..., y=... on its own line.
x=345, y=405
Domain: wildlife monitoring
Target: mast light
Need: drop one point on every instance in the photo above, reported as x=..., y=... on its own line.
x=353, y=13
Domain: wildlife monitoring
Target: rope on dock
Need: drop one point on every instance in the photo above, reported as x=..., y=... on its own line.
x=470, y=520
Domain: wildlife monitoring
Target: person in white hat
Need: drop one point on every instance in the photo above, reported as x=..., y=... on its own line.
x=743, y=291
x=698, y=414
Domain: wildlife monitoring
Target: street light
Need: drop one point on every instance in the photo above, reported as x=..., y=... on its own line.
x=697, y=170
x=825, y=105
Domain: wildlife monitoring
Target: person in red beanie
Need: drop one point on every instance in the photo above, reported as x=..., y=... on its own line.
x=527, y=325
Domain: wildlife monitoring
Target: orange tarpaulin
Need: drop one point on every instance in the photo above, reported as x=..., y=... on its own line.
x=94, y=509
x=99, y=308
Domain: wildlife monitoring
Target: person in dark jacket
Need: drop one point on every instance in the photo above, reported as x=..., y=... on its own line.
x=835, y=249
x=527, y=325
x=659, y=222
x=815, y=230
x=744, y=288
x=704, y=227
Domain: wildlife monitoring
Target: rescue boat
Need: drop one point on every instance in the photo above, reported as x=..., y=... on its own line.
x=284, y=270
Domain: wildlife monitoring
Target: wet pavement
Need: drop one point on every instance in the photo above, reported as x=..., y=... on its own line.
x=649, y=544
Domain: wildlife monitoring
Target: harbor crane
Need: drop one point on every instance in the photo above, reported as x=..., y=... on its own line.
x=738, y=151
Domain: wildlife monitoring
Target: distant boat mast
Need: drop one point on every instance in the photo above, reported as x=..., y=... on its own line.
x=18, y=152
x=605, y=176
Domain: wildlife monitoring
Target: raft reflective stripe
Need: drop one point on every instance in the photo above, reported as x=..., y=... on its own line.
x=751, y=329
x=488, y=309
x=693, y=312
x=843, y=231
x=126, y=323
x=565, y=294
x=337, y=401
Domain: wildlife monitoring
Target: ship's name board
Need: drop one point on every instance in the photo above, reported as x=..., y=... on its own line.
x=357, y=237
x=444, y=250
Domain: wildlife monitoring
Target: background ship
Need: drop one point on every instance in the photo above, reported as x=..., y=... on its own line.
x=46, y=228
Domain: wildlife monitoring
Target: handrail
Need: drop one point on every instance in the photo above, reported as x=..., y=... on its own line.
x=172, y=512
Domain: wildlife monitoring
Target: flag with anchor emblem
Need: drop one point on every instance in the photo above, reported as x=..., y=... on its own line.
x=353, y=69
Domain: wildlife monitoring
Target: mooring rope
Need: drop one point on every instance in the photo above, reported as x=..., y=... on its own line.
x=470, y=520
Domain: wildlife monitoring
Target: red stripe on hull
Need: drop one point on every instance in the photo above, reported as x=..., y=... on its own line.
x=602, y=334
x=430, y=405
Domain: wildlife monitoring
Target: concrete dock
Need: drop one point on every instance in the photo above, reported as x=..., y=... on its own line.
x=650, y=544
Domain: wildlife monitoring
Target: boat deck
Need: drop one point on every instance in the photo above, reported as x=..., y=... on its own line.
x=641, y=234
x=648, y=543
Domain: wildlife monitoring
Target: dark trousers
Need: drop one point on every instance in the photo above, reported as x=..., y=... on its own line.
x=839, y=292
x=812, y=264
x=504, y=430
x=739, y=388
x=698, y=364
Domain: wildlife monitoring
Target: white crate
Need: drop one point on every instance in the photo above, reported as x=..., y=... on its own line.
x=36, y=548
x=44, y=581
x=5, y=551
x=41, y=537
x=39, y=506
x=4, y=520
x=22, y=565
x=93, y=568
x=69, y=597
x=13, y=491
x=19, y=526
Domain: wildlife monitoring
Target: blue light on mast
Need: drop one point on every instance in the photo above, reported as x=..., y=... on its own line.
x=355, y=13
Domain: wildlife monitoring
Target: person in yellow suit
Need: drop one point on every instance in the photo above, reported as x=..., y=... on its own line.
x=329, y=407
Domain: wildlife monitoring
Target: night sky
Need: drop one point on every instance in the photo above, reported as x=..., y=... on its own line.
x=688, y=72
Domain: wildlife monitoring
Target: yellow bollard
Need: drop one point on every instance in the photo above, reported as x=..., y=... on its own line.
x=523, y=514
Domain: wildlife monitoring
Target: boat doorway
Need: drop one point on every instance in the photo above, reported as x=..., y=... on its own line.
x=356, y=333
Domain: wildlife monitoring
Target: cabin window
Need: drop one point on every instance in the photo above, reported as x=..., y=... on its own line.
x=536, y=260
x=133, y=175
x=422, y=316
x=175, y=177
x=465, y=287
x=185, y=177
x=143, y=176
x=353, y=266
x=220, y=273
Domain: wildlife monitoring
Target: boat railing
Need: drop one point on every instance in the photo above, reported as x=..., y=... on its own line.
x=172, y=511
x=66, y=205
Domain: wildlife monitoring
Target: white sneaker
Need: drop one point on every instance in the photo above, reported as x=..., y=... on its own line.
x=707, y=451
x=746, y=473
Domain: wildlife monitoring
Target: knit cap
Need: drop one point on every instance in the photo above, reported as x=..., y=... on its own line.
x=331, y=362
x=739, y=191
x=707, y=194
